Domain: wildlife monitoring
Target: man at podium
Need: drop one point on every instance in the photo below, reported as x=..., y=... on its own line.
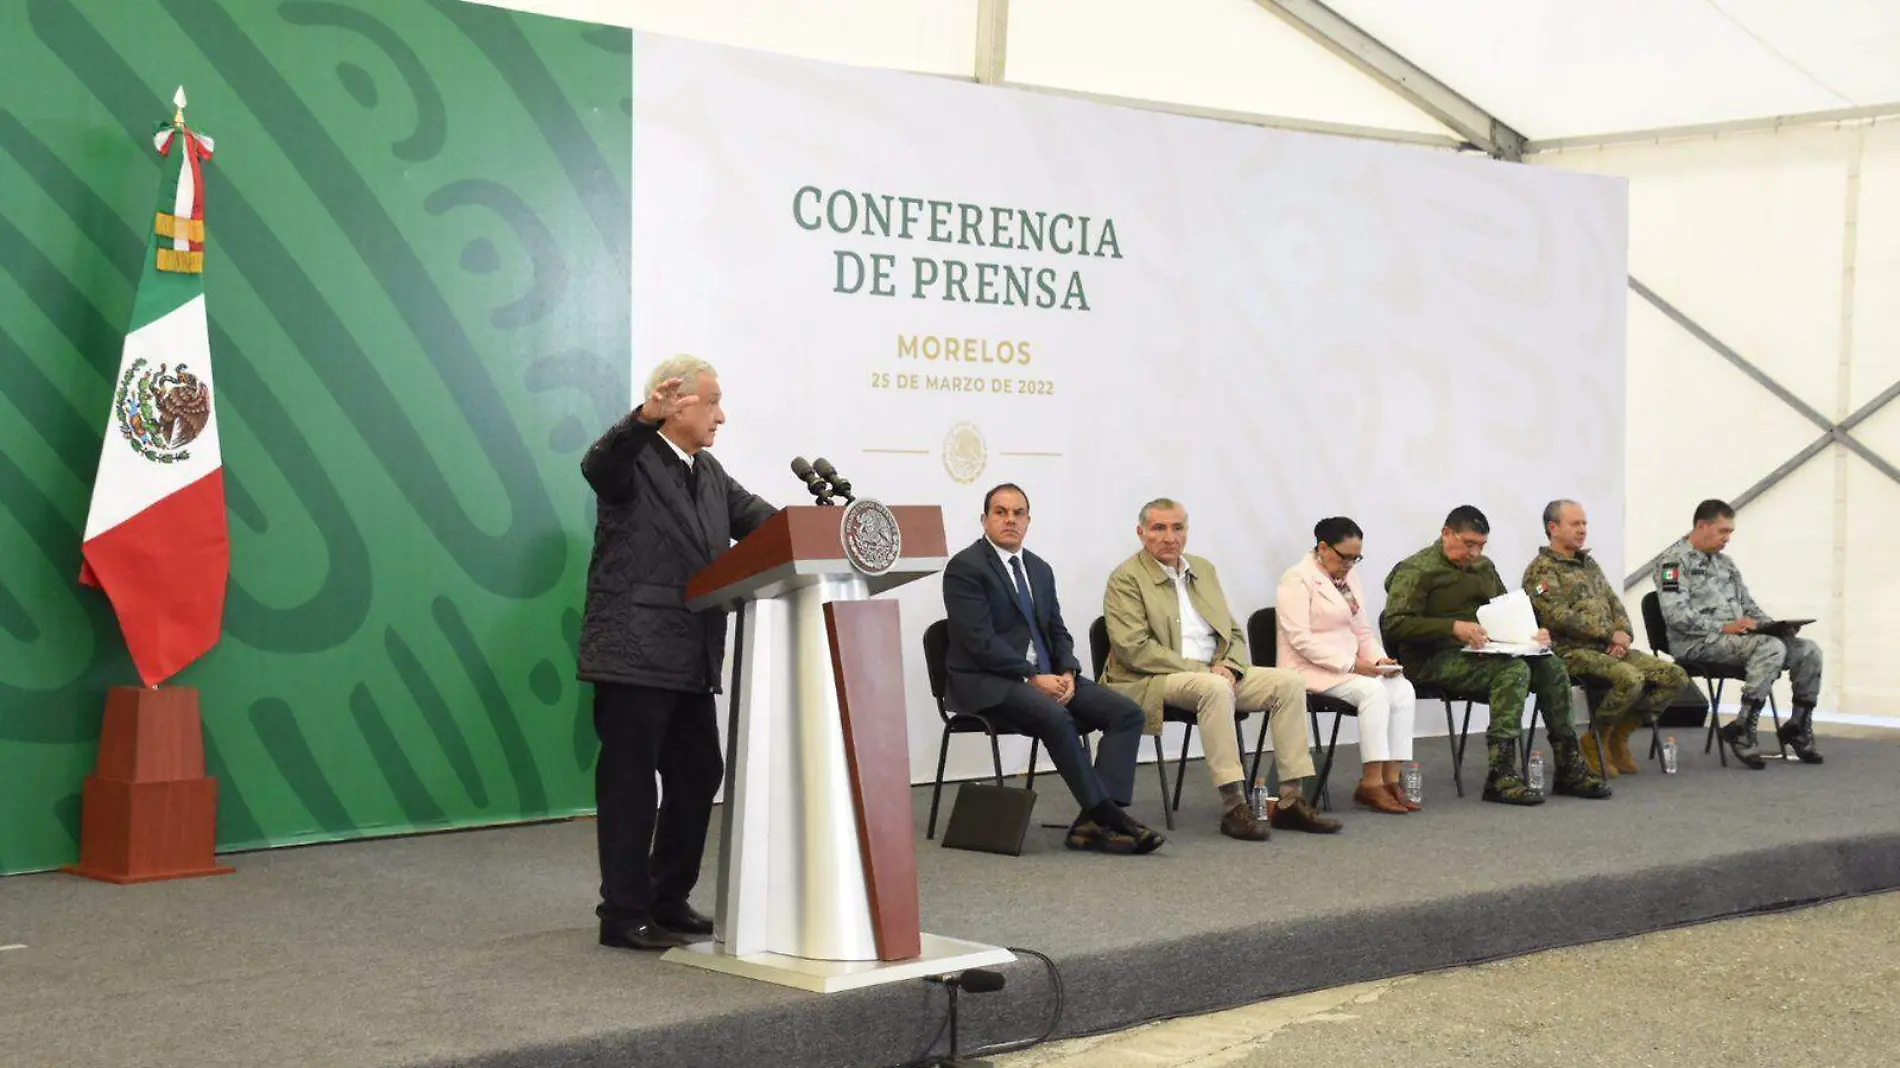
x=1011, y=658
x=666, y=509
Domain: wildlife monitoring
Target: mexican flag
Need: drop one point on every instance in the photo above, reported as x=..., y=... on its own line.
x=156, y=540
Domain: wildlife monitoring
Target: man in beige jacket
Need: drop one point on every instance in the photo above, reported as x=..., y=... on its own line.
x=1173, y=641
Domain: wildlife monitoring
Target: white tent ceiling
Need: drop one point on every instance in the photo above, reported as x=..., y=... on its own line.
x=1558, y=68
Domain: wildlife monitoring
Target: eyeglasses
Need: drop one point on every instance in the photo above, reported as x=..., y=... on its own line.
x=1353, y=559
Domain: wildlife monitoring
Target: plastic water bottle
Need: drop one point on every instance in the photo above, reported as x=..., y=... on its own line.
x=1413, y=781
x=1259, y=799
x=1534, y=775
x=1669, y=755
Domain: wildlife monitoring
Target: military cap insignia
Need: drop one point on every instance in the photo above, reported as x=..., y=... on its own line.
x=1671, y=579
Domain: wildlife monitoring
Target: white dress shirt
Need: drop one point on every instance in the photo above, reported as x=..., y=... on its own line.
x=1197, y=638
x=679, y=452
x=1006, y=556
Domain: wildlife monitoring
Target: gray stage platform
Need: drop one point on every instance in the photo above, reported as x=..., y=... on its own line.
x=478, y=948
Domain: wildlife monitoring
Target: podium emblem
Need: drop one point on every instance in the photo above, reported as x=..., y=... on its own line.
x=872, y=541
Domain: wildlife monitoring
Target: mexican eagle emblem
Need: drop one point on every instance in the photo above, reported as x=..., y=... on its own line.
x=872, y=540
x=161, y=412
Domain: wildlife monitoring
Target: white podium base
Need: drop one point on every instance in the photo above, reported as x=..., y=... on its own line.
x=831, y=976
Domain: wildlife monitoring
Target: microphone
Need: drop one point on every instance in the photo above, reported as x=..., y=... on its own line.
x=812, y=479
x=839, y=485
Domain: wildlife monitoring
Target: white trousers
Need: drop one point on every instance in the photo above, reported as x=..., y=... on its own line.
x=1386, y=707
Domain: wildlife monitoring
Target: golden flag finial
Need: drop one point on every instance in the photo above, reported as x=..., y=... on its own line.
x=178, y=98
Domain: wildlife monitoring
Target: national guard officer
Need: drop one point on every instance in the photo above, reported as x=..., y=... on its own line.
x=1712, y=618
x=1590, y=630
x=1431, y=614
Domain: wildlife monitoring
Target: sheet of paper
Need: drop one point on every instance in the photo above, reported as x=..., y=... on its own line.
x=1509, y=619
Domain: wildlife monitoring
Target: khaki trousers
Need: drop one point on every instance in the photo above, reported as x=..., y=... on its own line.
x=1280, y=694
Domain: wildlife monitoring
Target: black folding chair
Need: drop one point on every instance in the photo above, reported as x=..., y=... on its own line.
x=1263, y=633
x=1098, y=653
x=1714, y=677
x=936, y=646
x=1594, y=691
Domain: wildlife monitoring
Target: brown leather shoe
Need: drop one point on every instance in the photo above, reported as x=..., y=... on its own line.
x=1296, y=815
x=1238, y=822
x=1378, y=799
x=1398, y=794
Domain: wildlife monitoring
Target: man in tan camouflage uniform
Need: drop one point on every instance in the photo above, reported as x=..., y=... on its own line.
x=1590, y=630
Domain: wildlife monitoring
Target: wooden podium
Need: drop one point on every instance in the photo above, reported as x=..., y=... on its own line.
x=817, y=858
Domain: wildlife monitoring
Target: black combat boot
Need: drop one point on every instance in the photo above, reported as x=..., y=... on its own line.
x=1798, y=734
x=1503, y=784
x=1573, y=777
x=1739, y=736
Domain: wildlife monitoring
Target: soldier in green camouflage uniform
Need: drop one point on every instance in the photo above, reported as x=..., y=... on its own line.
x=1431, y=612
x=1590, y=630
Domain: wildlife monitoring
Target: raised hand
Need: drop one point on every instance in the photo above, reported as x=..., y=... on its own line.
x=666, y=402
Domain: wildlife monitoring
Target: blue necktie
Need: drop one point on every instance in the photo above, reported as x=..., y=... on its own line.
x=1029, y=612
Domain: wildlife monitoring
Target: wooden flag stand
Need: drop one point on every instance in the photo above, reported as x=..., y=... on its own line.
x=150, y=812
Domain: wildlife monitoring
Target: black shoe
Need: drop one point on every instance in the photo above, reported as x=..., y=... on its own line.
x=1798, y=736
x=1087, y=834
x=1506, y=788
x=638, y=934
x=1741, y=744
x=1582, y=784
x=681, y=919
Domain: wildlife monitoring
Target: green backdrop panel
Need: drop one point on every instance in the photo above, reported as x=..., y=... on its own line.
x=417, y=277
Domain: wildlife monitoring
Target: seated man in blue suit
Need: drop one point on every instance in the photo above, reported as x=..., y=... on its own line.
x=1011, y=659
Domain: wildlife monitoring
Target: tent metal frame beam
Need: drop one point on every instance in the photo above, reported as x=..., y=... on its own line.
x=992, y=39
x=1249, y=118
x=1372, y=57
x=1766, y=124
x=1832, y=433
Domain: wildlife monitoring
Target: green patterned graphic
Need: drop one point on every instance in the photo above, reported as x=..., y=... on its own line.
x=417, y=230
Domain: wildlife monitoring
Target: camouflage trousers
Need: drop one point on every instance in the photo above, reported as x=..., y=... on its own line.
x=1762, y=658
x=1503, y=682
x=1638, y=682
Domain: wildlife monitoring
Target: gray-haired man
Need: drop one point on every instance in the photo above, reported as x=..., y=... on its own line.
x=666, y=509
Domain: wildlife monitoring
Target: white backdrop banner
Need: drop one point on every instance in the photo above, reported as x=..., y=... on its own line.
x=942, y=286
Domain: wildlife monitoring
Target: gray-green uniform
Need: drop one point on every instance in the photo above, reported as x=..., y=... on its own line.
x=1700, y=593
x=1425, y=595
x=1576, y=603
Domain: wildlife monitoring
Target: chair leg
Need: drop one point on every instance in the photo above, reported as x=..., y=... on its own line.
x=1035, y=745
x=1259, y=748
x=996, y=758
x=1530, y=739
x=1180, y=769
x=1776, y=712
x=1457, y=750
x=1713, y=687
x=1161, y=765
x=1326, y=768
x=936, y=792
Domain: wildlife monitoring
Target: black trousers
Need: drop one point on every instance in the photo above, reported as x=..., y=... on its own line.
x=1095, y=708
x=650, y=848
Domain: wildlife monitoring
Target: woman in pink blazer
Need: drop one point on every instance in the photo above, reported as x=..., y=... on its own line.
x=1326, y=636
